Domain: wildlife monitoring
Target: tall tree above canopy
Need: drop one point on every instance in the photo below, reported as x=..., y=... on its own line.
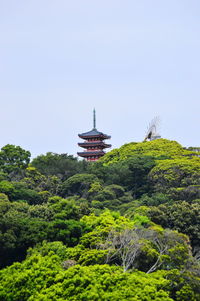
x=13, y=158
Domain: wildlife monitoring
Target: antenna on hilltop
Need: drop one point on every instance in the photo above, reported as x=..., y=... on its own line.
x=152, y=130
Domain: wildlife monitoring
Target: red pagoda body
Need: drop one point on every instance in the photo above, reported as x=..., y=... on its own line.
x=94, y=144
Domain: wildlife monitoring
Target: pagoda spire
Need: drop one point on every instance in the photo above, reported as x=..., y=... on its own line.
x=94, y=119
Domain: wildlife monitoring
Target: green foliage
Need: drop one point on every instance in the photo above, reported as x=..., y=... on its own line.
x=131, y=174
x=95, y=187
x=49, y=248
x=189, y=193
x=22, y=193
x=22, y=226
x=3, y=197
x=43, y=212
x=61, y=165
x=139, y=167
x=40, y=277
x=105, y=283
x=57, y=209
x=18, y=232
x=18, y=191
x=184, y=285
x=65, y=209
x=13, y=158
x=98, y=227
x=154, y=200
x=179, y=172
x=105, y=194
x=67, y=231
x=141, y=220
x=20, y=281
x=33, y=179
x=180, y=216
x=91, y=257
x=78, y=184
x=3, y=176
x=160, y=149
x=7, y=188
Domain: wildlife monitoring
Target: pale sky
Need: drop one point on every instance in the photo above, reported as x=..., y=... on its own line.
x=131, y=60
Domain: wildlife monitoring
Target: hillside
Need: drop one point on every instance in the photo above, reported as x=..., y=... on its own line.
x=160, y=148
x=124, y=228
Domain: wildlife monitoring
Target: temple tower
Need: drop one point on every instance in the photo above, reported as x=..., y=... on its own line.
x=94, y=144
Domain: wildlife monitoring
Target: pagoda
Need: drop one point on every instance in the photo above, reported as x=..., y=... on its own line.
x=94, y=144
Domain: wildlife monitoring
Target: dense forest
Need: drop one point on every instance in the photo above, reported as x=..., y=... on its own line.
x=124, y=228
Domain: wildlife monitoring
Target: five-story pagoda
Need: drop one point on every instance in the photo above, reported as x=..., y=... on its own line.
x=94, y=144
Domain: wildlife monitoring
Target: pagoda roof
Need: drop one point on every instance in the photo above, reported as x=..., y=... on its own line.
x=88, y=154
x=94, y=133
x=98, y=143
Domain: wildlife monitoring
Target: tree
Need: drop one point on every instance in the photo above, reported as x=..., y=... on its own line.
x=21, y=192
x=33, y=179
x=180, y=216
x=159, y=149
x=60, y=165
x=23, y=226
x=124, y=246
x=78, y=184
x=179, y=172
x=139, y=169
x=154, y=200
x=13, y=158
x=131, y=173
x=162, y=248
x=42, y=277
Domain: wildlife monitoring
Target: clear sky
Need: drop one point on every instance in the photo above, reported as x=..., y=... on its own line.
x=131, y=60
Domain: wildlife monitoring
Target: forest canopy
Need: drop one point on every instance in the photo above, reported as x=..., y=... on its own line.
x=123, y=228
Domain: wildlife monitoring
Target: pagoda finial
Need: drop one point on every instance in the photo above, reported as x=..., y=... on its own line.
x=94, y=119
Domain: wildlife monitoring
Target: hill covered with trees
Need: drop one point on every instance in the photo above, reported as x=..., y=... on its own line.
x=124, y=228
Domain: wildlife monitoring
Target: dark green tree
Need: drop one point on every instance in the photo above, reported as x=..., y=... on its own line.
x=78, y=184
x=180, y=216
x=13, y=158
x=60, y=165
